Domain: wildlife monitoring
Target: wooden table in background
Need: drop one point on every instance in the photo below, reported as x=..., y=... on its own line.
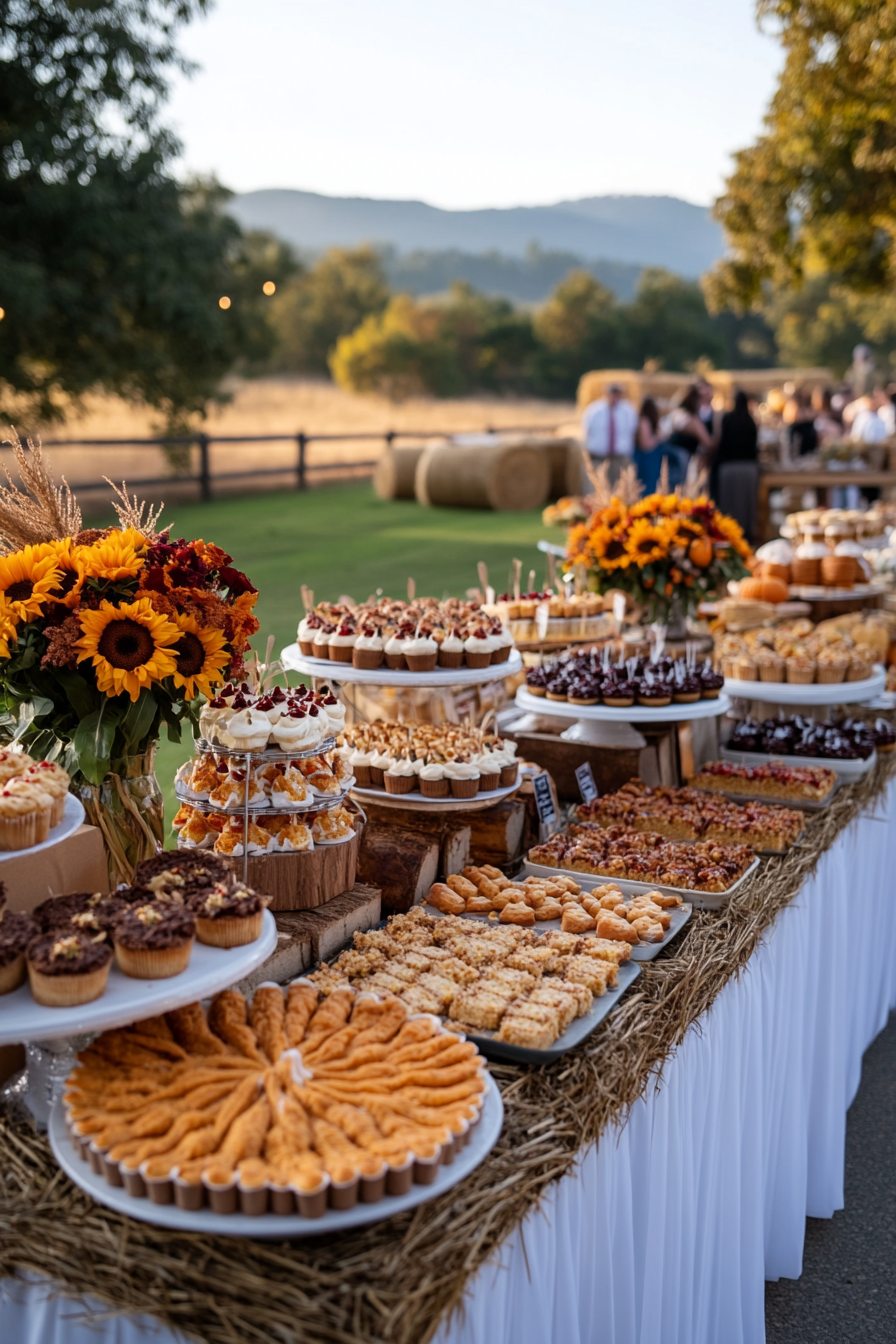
x=821, y=479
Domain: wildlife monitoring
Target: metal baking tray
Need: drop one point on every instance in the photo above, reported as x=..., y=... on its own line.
x=574, y=1034
x=677, y=839
x=847, y=770
x=643, y=952
x=703, y=900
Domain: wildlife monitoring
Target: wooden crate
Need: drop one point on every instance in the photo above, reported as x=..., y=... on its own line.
x=303, y=881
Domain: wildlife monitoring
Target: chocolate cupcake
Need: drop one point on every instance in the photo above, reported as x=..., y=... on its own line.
x=654, y=694
x=153, y=941
x=68, y=969
x=686, y=689
x=180, y=872
x=16, y=932
x=537, y=680
x=87, y=912
x=711, y=682
x=618, y=692
x=230, y=915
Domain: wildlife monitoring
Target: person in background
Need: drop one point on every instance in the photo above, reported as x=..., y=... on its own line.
x=608, y=428
x=738, y=439
x=828, y=422
x=649, y=442
x=871, y=418
x=705, y=412
x=689, y=436
x=862, y=373
x=802, y=434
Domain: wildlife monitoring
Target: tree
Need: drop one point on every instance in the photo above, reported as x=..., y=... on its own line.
x=820, y=322
x=318, y=306
x=817, y=192
x=579, y=328
x=110, y=269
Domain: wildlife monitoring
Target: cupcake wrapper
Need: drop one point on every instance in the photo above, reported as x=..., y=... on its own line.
x=798, y=676
x=477, y=660
x=421, y=662
x=340, y=653
x=395, y=661
x=67, y=991
x=450, y=659
x=362, y=776
x=377, y=777
x=509, y=776
x=321, y=651
x=230, y=930
x=502, y=655
x=399, y=783
x=307, y=647
x=487, y=783
x=368, y=660
x=464, y=788
x=435, y=788
x=153, y=963
x=23, y=832
x=13, y=974
x=771, y=674
x=57, y=810
x=829, y=675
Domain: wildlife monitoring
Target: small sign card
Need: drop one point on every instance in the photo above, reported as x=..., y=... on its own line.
x=544, y=799
x=585, y=780
x=542, y=611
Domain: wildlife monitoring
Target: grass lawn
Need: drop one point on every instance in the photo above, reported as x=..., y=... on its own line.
x=342, y=539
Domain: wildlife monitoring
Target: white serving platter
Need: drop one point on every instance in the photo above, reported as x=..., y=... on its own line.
x=418, y=803
x=817, y=693
x=72, y=818
x=703, y=900
x=700, y=709
x=344, y=674
x=574, y=1034
x=816, y=592
x=279, y=1226
x=643, y=952
x=127, y=1000
x=847, y=770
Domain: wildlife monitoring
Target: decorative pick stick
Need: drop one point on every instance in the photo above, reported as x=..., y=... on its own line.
x=531, y=588
x=517, y=566
x=412, y=589
x=482, y=571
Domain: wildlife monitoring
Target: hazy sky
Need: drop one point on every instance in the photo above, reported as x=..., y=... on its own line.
x=476, y=102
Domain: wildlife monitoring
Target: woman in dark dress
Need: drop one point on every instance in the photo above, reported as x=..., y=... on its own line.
x=738, y=441
x=689, y=436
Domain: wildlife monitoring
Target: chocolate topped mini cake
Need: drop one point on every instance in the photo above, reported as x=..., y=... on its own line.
x=153, y=941
x=90, y=911
x=230, y=915
x=16, y=932
x=67, y=969
x=180, y=871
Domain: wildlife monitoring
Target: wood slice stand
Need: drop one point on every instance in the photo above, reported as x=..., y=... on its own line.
x=306, y=880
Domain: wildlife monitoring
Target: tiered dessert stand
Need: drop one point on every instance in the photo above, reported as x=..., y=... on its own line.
x=604, y=725
x=345, y=675
x=813, y=694
x=52, y=1036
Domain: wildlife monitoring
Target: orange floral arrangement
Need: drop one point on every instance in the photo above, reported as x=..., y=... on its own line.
x=108, y=636
x=661, y=548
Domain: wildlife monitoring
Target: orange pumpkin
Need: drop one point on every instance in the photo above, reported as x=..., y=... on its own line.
x=764, y=590
x=700, y=551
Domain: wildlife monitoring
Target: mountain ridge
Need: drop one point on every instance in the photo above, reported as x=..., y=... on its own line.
x=636, y=230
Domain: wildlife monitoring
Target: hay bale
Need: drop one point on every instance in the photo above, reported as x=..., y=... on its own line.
x=394, y=475
x=483, y=476
x=564, y=454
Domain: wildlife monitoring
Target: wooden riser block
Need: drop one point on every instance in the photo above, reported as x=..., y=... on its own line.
x=303, y=881
x=402, y=863
x=307, y=937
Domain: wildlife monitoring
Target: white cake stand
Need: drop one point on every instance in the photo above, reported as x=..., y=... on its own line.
x=64, y=1031
x=817, y=693
x=344, y=674
x=604, y=726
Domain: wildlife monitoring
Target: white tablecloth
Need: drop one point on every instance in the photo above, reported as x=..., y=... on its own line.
x=667, y=1231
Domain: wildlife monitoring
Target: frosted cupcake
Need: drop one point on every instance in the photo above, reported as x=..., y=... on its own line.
x=297, y=730
x=342, y=644
x=420, y=652
x=368, y=651
x=505, y=644
x=69, y=970
x=463, y=778
x=451, y=650
x=13, y=763
x=401, y=776
x=16, y=931
x=801, y=669
x=433, y=781
x=335, y=712
x=230, y=915
x=478, y=649
x=380, y=762
x=153, y=942
x=54, y=781
x=248, y=730
x=489, y=770
x=394, y=653
x=320, y=645
x=24, y=815
x=360, y=761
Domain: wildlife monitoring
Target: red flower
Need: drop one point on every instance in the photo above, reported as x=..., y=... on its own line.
x=236, y=581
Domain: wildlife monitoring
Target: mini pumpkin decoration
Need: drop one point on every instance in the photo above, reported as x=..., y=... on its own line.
x=700, y=551
x=764, y=590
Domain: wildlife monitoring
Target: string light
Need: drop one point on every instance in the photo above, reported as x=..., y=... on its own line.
x=223, y=302
x=269, y=288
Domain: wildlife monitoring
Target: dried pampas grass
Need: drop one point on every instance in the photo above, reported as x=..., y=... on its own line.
x=131, y=512
x=42, y=512
x=628, y=488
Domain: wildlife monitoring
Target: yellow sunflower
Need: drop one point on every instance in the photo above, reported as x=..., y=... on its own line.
x=130, y=646
x=200, y=657
x=27, y=578
x=71, y=572
x=732, y=531
x=614, y=514
x=650, y=504
x=8, y=630
x=647, y=542
x=608, y=547
x=117, y=556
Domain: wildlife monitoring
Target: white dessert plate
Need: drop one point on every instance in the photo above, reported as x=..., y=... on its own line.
x=344, y=674
x=417, y=802
x=643, y=952
x=127, y=1000
x=279, y=1226
x=72, y=818
x=703, y=900
x=847, y=770
x=817, y=693
x=700, y=709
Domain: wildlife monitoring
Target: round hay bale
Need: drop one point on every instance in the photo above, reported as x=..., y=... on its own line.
x=564, y=454
x=394, y=474
x=483, y=476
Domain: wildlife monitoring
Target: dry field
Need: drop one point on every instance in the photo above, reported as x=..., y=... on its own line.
x=283, y=405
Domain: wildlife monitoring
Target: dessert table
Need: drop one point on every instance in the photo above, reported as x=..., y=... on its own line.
x=665, y=1232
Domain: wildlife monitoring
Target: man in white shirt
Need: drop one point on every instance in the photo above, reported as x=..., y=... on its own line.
x=608, y=428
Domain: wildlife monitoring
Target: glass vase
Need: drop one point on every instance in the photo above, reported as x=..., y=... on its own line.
x=129, y=810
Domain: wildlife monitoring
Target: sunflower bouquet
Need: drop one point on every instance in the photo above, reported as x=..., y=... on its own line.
x=663, y=550
x=107, y=638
